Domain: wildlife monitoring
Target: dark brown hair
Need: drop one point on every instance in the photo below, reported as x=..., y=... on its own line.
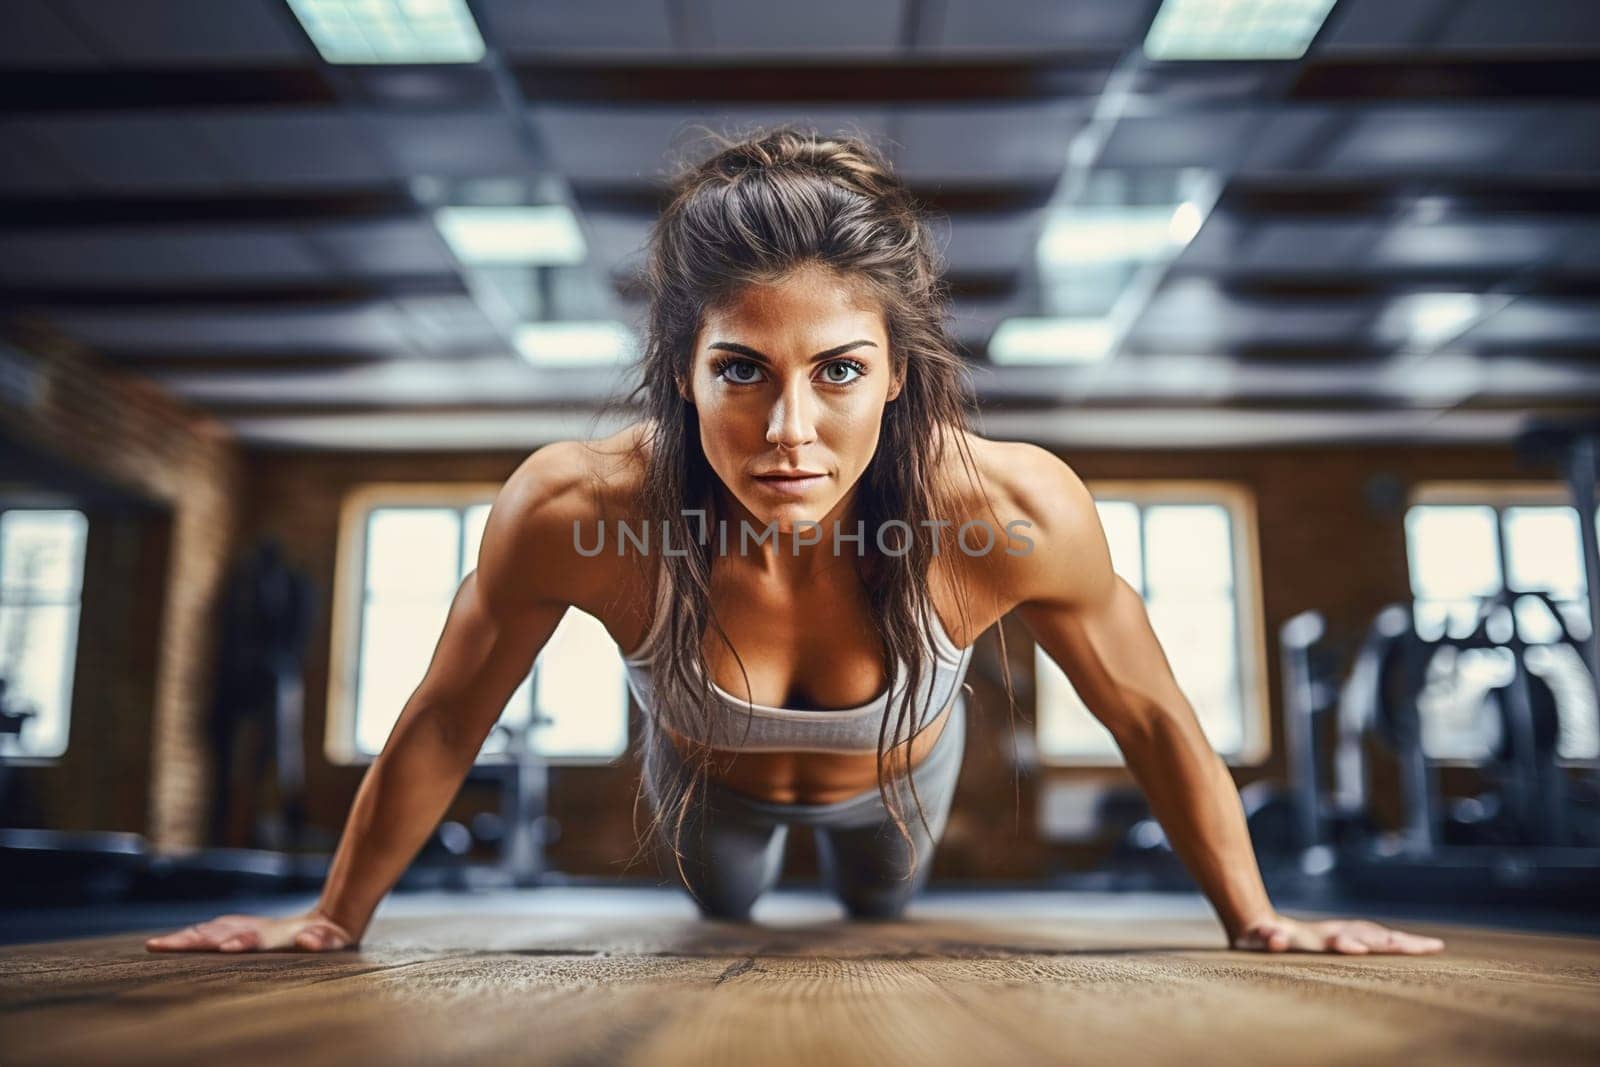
x=762, y=206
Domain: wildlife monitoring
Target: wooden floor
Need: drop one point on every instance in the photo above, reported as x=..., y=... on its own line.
x=603, y=976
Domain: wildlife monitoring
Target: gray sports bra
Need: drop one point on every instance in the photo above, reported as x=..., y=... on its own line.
x=772, y=729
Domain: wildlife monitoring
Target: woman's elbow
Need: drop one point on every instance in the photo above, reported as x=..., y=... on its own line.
x=1147, y=728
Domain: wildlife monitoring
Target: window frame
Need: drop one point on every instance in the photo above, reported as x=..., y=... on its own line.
x=1238, y=500
x=1498, y=495
x=49, y=502
x=344, y=657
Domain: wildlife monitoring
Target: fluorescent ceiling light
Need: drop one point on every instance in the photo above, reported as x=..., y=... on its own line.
x=1428, y=320
x=1079, y=235
x=574, y=344
x=1050, y=340
x=391, y=31
x=540, y=234
x=1187, y=218
x=1235, y=29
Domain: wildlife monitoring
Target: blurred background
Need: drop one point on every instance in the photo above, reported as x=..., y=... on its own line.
x=1308, y=291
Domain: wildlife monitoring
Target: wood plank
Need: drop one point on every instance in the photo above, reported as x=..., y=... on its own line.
x=953, y=988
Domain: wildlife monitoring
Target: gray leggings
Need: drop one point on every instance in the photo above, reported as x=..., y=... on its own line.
x=733, y=844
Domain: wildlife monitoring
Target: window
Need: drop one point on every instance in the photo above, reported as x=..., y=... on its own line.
x=41, y=583
x=1189, y=551
x=403, y=553
x=1465, y=542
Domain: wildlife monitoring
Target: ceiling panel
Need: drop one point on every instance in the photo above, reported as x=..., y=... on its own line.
x=1220, y=244
x=1535, y=320
x=383, y=247
x=1289, y=138
x=203, y=32
x=989, y=243
x=1581, y=245
x=1202, y=138
x=208, y=330
x=38, y=35
x=148, y=256
x=1489, y=243
x=616, y=144
x=448, y=324
x=997, y=144
x=1034, y=25
x=1540, y=24
x=463, y=380
x=297, y=147
x=32, y=166
x=1425, y=139
x=833, y=27
x=1309, y=245
x=525, y=27
x=452, y=144
x=1382, y=25
x=615, y=240
x=1193, y=321
x=123, y=152
x=1563, y=139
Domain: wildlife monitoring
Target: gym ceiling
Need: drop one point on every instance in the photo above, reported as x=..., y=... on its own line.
x=1393, y=237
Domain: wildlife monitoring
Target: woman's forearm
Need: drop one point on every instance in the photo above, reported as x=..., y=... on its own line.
x=402, y=797
x=1194, y=798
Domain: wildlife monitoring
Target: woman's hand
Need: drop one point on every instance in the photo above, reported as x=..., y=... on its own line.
x=311, y=932
x=1353, y=937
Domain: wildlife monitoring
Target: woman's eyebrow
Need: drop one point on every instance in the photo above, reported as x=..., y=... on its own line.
x=746, y=350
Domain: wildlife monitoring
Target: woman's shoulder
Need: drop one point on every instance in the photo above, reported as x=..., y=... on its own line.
x=1051, y=541
x=580, y=479
x=559, y=493
x=1011, y=480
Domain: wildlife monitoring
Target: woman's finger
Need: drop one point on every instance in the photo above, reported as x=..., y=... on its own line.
x=186, y=938
x=1416, y=944
x=1348, y=944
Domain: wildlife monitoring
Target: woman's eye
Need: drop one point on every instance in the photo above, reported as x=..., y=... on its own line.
x=849, y=368
x=730, y=372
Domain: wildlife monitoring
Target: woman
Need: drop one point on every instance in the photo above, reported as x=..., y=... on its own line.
x=801, y=623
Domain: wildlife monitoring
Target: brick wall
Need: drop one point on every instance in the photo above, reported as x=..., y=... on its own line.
x=120, y=430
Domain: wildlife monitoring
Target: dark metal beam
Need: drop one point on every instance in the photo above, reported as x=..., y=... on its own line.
x=248, y=295
x=878, y=82
x=333, y=205
x=645, y=200
x=223, y=363
x=964, y=285
x=1475, y=195
x=198, y=88
x=1407, y=75
x=1377, y=283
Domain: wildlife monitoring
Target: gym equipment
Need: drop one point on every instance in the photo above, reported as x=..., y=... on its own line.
x=1382, y=700
x=14, y=715
x=1533, y=832
x=1575, y=447
x=266, y=622
x=524, y=827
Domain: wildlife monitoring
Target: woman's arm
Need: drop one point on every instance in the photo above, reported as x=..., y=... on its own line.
x=482, y=656
x=1094, y=625
x=500, y=618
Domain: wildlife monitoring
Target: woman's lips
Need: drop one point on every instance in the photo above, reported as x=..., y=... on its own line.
x=791, y=485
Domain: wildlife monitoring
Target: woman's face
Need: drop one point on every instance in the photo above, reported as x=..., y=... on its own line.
x=792, y=377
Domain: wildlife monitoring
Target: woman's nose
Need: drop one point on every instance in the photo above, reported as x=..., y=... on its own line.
x=791, y=422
